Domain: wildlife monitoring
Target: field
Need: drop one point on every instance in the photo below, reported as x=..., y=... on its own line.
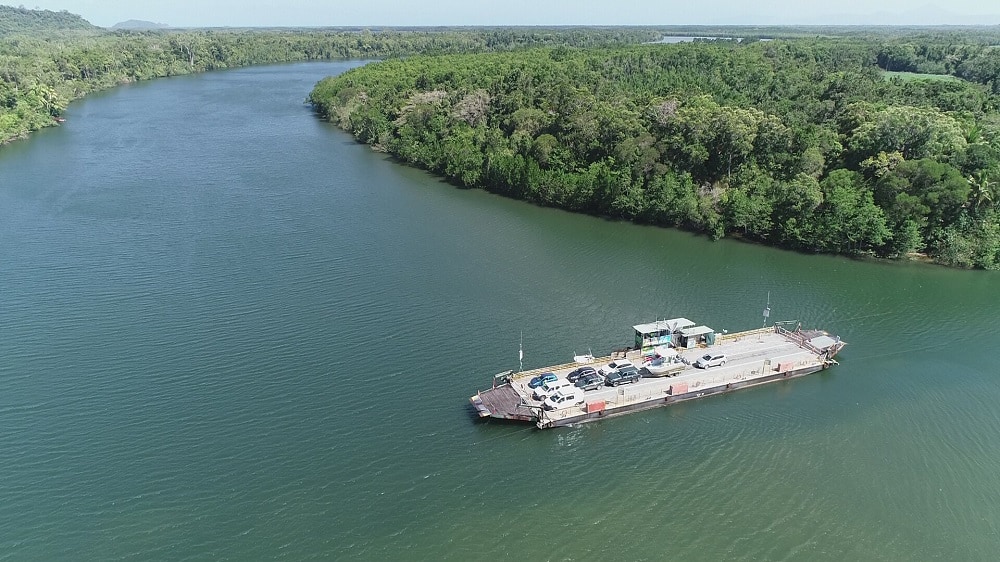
x=887, y=74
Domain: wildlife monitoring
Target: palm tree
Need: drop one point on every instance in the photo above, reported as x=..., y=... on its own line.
x=982, y=190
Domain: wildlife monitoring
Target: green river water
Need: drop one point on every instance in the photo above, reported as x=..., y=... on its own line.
x=229, y=332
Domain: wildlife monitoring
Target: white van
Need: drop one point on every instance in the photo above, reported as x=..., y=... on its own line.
x=563, y=398
x=546, y=390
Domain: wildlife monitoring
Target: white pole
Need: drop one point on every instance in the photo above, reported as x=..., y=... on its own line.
x=520, y=354
x=767, y=309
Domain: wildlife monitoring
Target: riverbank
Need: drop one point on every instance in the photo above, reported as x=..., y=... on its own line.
x=654, y=134
x=67, y=58
x=55, y=69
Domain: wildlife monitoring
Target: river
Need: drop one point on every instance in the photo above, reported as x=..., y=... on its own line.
x=227, y=331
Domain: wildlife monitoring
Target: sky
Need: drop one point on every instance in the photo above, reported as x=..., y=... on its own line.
x=322, y=13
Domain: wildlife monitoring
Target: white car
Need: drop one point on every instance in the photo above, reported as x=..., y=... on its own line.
x=547, y=389
x=615, y=366
x=563, y=398
x=710, y=360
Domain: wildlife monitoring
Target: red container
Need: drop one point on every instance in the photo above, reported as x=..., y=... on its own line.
x=678, y=388
x=595, y=407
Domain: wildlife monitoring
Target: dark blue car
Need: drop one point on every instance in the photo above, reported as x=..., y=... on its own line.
x=580, y=373
x=541, y=379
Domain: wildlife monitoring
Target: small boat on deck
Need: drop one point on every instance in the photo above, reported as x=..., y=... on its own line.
x=664, y=363
x=661, y=367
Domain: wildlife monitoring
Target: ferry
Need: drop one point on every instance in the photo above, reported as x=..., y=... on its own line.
x=687, y=361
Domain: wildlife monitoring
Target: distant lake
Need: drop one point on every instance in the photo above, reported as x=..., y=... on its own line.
x=692, y=38
x=230, y=332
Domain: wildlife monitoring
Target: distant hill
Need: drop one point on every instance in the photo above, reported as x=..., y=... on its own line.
x=21, y=20
x=139, y=24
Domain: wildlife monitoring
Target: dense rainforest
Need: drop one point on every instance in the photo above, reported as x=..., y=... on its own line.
x=48, y=59
x=857, y=141
x=808, y=144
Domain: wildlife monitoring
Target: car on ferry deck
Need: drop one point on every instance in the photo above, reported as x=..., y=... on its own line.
x=615, y=366
x=541, y=379
x=549, y=388
x=590, y=381
x=577, y=374
x=623, y=375
x=563, y=398
x=711, y=360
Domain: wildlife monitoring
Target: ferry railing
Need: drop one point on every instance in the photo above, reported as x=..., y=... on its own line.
x=533, y=372
x=736, y=336
x=798, y=338
x=596, y=363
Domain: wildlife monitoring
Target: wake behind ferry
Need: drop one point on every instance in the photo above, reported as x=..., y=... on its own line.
x=672, y=361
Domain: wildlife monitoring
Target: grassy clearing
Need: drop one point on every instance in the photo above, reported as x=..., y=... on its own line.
x=917, y=76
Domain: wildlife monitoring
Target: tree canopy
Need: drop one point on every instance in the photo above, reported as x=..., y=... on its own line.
x=21, y=20
x=48, y=59
x=861, y=141
x=802, y=143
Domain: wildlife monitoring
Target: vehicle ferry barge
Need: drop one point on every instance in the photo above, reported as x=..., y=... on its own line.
x=690, y=362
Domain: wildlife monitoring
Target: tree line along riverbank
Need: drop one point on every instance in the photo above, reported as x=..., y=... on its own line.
x=801, y=143
x=48, y=59
x=835, y=144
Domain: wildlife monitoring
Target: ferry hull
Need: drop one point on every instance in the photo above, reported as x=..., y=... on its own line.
x=669, y=400
x=738, y=360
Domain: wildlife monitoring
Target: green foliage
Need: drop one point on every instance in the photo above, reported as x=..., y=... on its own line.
x=804, y=143
x=848, y=221
x=914, y=132
x=48, y=59
x=799, y=143
x=20, y=20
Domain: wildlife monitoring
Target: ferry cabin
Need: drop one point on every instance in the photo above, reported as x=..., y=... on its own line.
x=677, y=332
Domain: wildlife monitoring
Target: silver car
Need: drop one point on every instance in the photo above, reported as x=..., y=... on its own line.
x=615, y=366
x=710, y=360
